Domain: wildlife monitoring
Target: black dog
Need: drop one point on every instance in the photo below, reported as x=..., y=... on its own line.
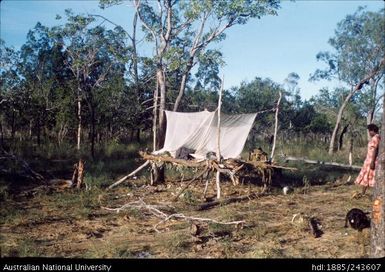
x=358, y=219
x=315, y=227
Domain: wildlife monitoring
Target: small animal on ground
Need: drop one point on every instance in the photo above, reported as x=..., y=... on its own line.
x=357, y=219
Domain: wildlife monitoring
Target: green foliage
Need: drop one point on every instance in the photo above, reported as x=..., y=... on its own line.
x=357, y=44
x=320, y=124
x=304, y=117
x=357, y=40
x=40, y=82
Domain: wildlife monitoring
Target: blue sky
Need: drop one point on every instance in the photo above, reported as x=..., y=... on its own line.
x=270, y=47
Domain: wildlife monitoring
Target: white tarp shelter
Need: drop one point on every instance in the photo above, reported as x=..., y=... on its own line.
x=198, y=131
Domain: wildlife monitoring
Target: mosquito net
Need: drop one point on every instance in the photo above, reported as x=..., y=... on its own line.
x=198, y=131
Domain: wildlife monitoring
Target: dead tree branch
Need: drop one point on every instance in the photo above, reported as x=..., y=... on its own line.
x=212, y=204
x=155, y=210
x=129, y=175
x=340, y=165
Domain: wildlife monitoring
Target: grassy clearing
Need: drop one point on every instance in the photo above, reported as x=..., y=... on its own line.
x=73, y=223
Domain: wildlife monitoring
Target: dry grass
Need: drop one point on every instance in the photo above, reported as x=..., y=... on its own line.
x=72, y=224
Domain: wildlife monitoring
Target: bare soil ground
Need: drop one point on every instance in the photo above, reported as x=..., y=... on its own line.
x=73, y=223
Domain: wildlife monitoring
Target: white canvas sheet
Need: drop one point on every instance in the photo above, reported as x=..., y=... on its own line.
x=198, y=131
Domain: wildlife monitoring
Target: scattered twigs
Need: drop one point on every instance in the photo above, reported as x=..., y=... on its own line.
x=156, y=211
x=230, y=173
x=233, y=168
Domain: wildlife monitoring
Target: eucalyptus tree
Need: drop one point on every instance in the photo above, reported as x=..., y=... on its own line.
x=357, y=59
x=93, y=55
x=42, y=72
x=9, y=89
x=137, y=77
x=291, y=84
x=181, y=32
x=329, y=103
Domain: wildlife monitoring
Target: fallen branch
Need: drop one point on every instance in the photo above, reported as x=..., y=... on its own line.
x=159, y=158
x=28, y=171
x=155, y=210
x=345, y=166
x=192, y=218
x=209, y=205
x=129, y=175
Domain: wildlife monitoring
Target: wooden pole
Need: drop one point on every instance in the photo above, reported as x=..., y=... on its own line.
x=377, y=245
x=218, y=175
x=275, y=127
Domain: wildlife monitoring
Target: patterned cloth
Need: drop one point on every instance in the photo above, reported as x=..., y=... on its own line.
x=366, y=176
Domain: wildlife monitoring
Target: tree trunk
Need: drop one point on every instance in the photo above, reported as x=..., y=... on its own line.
x=155, y=118
x=351, y=150
x=218, y=174
x=30, y=129
x=157, y=173
x=183, y=85
x=332, y=146
x=1, y=135
x=132, y=131
x=372, y=104
x=356, y=88
x=134, y=52
x=79, y=113
x=162, y=108
x=275, y=127
x=377, y=246
x=93, y=121
x=38, y=132
x=341, y=139
x=138, y=135
x=369, y=120
x=13, y=129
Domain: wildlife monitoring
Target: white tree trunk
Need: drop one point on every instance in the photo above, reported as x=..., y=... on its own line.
x=79, y=120
x=275, y=127
x=218, y=175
